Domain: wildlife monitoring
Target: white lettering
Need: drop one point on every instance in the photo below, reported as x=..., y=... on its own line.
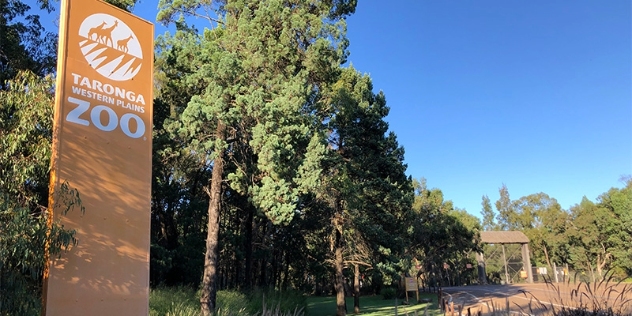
x=106, y=88
x=96, y=85
x=76, y=78
x=140, y=99
x=140, y=125
x=74, y=115
x=119, y=92
x=95, y=115
x=85, y=82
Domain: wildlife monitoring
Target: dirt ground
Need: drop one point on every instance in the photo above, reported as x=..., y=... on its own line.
x=539, y=299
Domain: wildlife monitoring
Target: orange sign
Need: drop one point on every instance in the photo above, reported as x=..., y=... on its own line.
x=102, y=148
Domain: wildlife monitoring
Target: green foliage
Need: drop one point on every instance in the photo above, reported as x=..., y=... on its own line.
x=543, y=221
x=24, y=44
x=389, y=293
x=599, y=233
x=489, y=216
x=25, y=136
x=442, y=234
x=185, y=301
x=23, y=237
x=263, y=86
x=254, y=116
x=179, y=301
x=366, y=174
x=284, y=301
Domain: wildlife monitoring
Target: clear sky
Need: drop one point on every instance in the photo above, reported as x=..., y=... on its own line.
x=533, y=94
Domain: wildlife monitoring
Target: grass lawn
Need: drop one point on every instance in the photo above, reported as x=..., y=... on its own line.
x=372, y=306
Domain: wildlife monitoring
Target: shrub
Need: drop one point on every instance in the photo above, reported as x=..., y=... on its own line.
x=184, y=301
x=389, y=293
x=284, y=302
x=180, y=301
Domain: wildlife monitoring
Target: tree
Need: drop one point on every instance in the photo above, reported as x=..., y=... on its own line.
x=599, y=233
x=178, y=174
x=542, y=219
x=365, y=185
x=489, y=216
x=505, y=212
x=24, y=44
x=26, y=228
x=440, y=235
x=618, y=203
x=263, y=66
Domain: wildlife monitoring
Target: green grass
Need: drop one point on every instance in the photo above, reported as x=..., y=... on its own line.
x=372, y=306
x=184, y=301
x=180, y=301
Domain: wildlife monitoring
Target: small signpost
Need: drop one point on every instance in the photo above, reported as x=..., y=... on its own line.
x=412, y=286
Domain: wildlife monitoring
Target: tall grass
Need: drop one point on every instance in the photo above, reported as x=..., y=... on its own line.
x=603, y=298
x=184, y=301
x=599, y=298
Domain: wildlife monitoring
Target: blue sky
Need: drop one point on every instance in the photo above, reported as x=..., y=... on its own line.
x=533, y=94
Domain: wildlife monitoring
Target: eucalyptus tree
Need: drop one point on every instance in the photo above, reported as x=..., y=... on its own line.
x=27, y=232
x=489, y=216
x=543, y=220
x=24, y=43
x=600, y=234
x=263, y=65
x=504, y=208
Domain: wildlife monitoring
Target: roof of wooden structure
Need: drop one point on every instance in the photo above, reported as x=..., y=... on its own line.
x=504, y=237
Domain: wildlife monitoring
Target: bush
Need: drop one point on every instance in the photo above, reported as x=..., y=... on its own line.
x=389, y=293
x=280, y=301
x=184, y=301
x=181, y=301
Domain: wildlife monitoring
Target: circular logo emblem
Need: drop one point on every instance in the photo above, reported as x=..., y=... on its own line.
x=110, y=47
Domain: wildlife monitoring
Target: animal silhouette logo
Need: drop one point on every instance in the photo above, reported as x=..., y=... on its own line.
x=110, y=47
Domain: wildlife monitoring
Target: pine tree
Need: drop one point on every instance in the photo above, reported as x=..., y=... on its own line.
x=263, y=66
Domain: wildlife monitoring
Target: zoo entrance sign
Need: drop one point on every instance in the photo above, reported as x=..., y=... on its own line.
x=102, y=148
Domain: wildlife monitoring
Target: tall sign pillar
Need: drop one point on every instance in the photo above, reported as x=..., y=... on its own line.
x=102, y=147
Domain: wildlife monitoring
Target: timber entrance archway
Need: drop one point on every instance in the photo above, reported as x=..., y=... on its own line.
x=506, y=246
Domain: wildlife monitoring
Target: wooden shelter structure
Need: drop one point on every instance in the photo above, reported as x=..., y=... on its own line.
x=502, y=238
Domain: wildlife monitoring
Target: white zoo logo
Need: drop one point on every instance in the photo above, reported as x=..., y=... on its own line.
x=113, y=121
x=110, y=47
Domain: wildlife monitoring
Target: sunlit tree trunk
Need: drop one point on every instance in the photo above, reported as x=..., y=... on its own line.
x=209, y=281
x=356, y=288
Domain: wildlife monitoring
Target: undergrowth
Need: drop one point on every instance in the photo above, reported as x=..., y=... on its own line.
x=184, y=301
x=603, y=298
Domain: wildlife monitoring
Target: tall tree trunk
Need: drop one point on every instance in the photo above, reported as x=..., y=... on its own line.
x=248, y=245
x=356, y=288
x=209, y=281
x=286, y=274
x=341, y=306
x=546, y=256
